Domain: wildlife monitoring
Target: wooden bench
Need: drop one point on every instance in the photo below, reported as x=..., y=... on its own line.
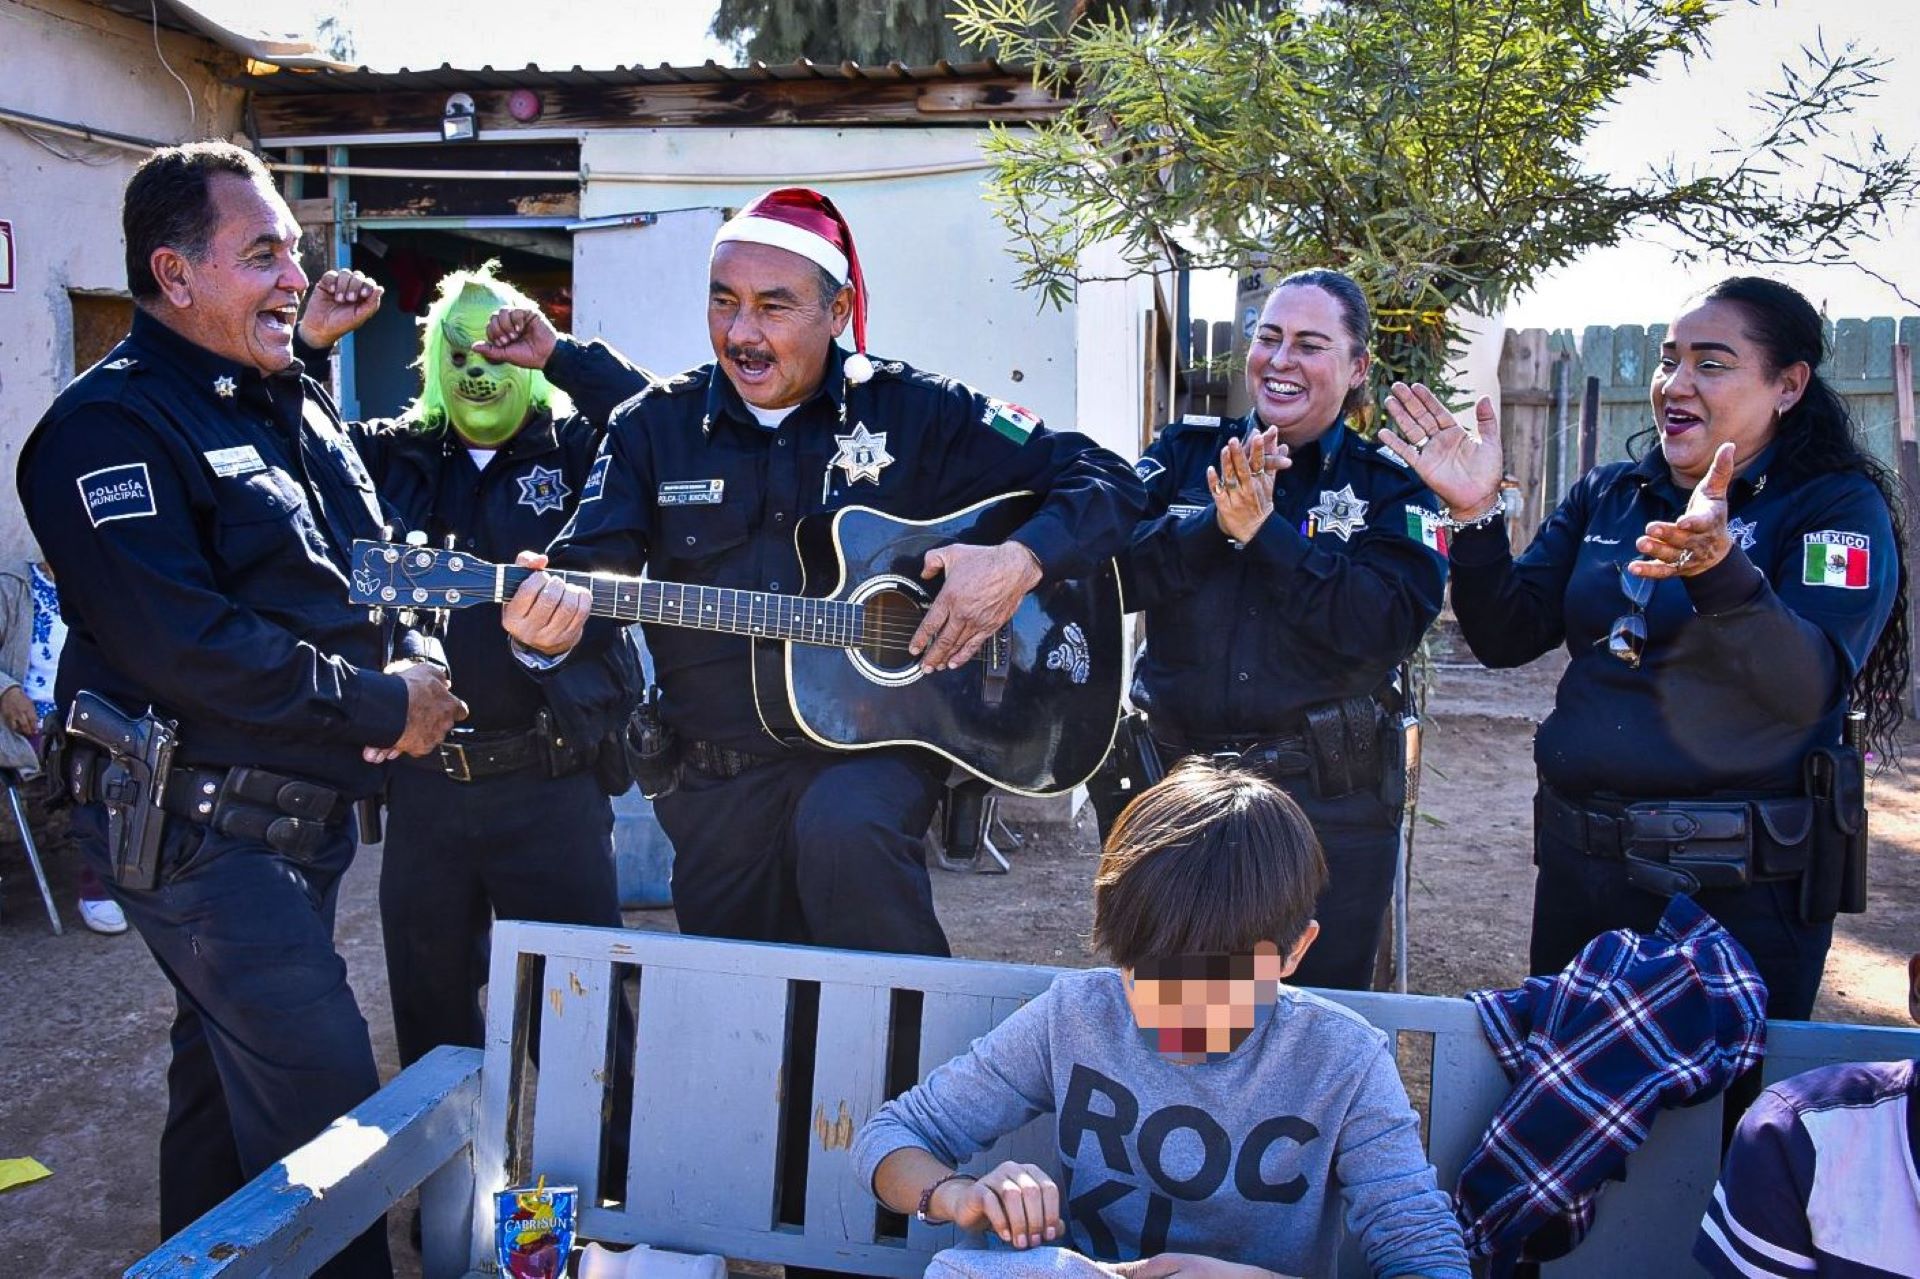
x=755, y=1067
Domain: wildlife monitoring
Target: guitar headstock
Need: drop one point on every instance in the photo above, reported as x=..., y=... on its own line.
x=392, y=575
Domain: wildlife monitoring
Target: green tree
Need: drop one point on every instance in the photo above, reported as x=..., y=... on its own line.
x=1431, y=148
x=917, y=32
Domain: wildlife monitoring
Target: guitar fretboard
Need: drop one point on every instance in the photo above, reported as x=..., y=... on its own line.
x=830, y=623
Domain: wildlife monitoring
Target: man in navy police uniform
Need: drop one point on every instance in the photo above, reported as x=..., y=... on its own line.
x=197, y=496
x=702, y=480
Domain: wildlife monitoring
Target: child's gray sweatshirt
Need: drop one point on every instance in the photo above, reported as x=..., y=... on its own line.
x=1247, y=1158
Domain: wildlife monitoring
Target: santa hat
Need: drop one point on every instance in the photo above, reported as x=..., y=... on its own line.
x=805, y=222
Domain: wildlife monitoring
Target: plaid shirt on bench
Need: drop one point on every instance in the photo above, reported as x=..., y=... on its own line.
x=1635, y=1024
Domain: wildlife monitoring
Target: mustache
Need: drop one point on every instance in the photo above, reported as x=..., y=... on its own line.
x=758, y=355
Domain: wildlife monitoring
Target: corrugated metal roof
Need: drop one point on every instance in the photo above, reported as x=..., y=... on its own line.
x=445, y=77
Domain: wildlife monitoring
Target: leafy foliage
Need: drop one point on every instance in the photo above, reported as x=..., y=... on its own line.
x=1431, y=148
x=917, y=32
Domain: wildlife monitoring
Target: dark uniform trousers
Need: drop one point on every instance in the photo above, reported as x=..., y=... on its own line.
x=1577, y=897
x=821, y=849
x=538, y=847
x=269, y=1047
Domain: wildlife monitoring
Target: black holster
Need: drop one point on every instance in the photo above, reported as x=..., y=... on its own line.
x=1132, y=764
x=1684, y=846
x=652, y=748
x=1835, y=881
x=1345, y=747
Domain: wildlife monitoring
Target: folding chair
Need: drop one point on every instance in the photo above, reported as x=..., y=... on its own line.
x=11, y=782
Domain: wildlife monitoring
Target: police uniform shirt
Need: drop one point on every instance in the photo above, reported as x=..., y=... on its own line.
x=1332, y=593
x=1746, y=666
x=199, y=517
x=689, y=486
x=519, y=501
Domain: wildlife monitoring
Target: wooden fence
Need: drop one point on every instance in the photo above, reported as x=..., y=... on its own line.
x=1546, y=395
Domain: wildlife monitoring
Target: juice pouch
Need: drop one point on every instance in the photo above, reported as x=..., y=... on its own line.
x=533, y=1230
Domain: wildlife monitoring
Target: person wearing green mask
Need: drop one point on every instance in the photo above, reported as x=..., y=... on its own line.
x=512, y=815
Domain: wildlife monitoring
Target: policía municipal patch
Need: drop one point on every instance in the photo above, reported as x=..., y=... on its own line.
x=1833, y=558
x=596, y=479
x=117, y=493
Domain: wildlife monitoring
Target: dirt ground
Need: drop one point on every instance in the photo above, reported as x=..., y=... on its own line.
x=83, y=1031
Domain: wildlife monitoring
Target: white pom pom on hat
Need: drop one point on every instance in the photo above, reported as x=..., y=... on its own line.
x=803, y=221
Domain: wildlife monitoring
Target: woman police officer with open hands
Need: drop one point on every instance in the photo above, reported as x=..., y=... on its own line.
x=1725, y=600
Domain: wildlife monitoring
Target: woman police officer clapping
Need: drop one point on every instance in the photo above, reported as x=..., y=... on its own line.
x=1726, y=600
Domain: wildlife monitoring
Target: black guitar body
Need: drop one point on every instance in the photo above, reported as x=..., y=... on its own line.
x=1037, y=717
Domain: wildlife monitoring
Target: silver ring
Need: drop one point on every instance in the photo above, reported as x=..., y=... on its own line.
x=1683, y=559
x=1420, y=446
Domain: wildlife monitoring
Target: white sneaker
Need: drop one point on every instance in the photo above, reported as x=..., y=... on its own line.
x=103, y=916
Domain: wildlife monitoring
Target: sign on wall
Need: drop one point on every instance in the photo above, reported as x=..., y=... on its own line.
x=6, y=257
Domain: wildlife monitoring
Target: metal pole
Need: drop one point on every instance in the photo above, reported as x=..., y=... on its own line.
x=1589, y=426
x=346, y=394
x=33, y=854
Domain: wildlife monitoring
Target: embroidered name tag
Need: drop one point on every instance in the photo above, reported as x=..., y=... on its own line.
x=691, y=492
x=1182, y=510
x=241, y=459
x=596, y=479
x=117, y=493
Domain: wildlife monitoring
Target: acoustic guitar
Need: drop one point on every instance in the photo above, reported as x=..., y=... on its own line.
x=1033, y=712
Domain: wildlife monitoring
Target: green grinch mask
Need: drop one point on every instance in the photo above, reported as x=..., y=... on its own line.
x=485, y=402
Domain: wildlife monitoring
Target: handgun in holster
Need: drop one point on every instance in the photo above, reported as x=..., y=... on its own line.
x=139, y=751
x=1835, y=777
x=653, y=749
x=1132, y=764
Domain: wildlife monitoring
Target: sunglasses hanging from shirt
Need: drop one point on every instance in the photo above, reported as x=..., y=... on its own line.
x=1627, y=637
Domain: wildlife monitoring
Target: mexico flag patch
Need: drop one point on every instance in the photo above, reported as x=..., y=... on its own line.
x=1837, y=559
x=1010, y=420
x=1424, y=527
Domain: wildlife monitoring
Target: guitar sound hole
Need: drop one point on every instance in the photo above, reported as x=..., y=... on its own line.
x=891, y=619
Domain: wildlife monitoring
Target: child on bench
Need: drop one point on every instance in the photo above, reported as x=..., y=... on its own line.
x=1210, y=1120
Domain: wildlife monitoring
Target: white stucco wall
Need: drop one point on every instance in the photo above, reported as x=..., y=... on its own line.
x=942, y=286
x=67, y=61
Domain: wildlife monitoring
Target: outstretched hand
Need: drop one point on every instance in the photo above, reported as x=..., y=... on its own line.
x=1699, y=539
x=1462, y=467
x=339, y=303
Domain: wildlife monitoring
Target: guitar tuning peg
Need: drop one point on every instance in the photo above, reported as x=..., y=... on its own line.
x=441, y=618
x=417, y=537
x=452, y=542
x=386, y=532
x=376, y=615
x=407, y=617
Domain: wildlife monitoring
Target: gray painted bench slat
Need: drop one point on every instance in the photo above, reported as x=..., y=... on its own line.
x=751, y=1058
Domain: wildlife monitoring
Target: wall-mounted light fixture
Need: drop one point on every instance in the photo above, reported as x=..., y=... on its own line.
x=460, y=121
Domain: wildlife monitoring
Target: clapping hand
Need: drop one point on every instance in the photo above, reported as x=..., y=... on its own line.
x=1697, y=540
x=1242, y=485
x=1462, y=467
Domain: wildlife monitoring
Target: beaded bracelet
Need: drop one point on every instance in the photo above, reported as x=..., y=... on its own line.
x=1492, y=513
x=926, y=1196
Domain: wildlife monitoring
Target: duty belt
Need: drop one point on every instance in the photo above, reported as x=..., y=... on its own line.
x=468, y=755
x=722, y=761
x=1603, y=828
x=289, y=815
x=1275, y=756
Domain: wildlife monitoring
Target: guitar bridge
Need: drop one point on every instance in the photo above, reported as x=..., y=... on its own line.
x=998, y=654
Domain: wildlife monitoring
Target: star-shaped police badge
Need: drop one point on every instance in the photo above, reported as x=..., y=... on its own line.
x=863, y=455
x=1340, y=513
x=224, y=387
x=543, y=489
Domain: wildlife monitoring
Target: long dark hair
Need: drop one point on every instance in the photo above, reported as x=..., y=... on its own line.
x=1816, y=437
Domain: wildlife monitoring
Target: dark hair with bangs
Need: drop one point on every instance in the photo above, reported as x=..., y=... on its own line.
x=1208, y=861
